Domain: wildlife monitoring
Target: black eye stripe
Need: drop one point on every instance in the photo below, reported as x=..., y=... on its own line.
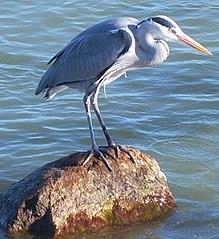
x=140, y=22
x=163, y=22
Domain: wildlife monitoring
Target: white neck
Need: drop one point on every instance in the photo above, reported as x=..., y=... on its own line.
x=152, y=51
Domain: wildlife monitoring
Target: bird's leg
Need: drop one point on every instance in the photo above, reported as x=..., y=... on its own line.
x=102, y=124
x=96, y=109
x=110, y=142
x=94, y=149
x=108, y=138
x=88, y=113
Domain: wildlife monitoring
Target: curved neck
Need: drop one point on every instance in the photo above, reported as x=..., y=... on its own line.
x=152, y=50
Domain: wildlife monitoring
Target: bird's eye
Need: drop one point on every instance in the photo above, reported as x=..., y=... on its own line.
x=173, y=30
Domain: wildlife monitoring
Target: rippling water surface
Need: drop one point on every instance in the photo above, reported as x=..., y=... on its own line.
x=169, y=111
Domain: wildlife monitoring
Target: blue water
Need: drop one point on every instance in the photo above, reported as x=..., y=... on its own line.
x=169, y=111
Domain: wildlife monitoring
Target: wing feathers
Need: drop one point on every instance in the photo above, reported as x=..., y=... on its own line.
x=86, y=56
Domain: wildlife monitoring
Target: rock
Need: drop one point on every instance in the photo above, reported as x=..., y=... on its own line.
x=65, y=196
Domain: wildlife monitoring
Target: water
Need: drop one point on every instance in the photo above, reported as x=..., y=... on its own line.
x=169, y=111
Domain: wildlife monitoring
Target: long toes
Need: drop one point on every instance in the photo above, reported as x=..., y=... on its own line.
x=122, y=148
x=97, y=152
x=117, y=150
x=105, y=151
x=90, y=155
x=104, y=160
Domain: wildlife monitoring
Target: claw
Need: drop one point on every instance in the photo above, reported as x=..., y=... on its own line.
x=106, y=152
x=119, y=148
x=95, y=151
x=127, y=152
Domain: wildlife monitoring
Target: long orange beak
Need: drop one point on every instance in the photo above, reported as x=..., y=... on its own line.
x=191, y=42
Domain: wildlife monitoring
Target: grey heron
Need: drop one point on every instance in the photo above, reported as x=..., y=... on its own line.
x=104, y=52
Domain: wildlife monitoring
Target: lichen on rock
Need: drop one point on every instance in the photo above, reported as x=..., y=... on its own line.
x=65, y=196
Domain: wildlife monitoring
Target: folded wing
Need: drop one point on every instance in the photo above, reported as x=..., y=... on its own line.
x=87, y=56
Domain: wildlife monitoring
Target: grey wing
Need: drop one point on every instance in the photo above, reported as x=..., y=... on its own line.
x=86, y=56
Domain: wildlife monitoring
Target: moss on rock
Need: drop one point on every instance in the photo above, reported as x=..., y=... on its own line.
x=65, y=196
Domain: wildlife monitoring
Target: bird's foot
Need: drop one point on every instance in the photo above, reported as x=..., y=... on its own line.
x=103, y=151
x=99, y=153
x=118, y=148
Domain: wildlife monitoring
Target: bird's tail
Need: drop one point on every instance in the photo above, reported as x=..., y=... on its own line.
x=45, y=82
x=51, y=92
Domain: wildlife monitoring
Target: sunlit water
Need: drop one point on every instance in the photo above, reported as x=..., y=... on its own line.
x=169, y=111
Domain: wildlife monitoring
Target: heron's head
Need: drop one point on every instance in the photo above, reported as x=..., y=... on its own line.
x=165, y=28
